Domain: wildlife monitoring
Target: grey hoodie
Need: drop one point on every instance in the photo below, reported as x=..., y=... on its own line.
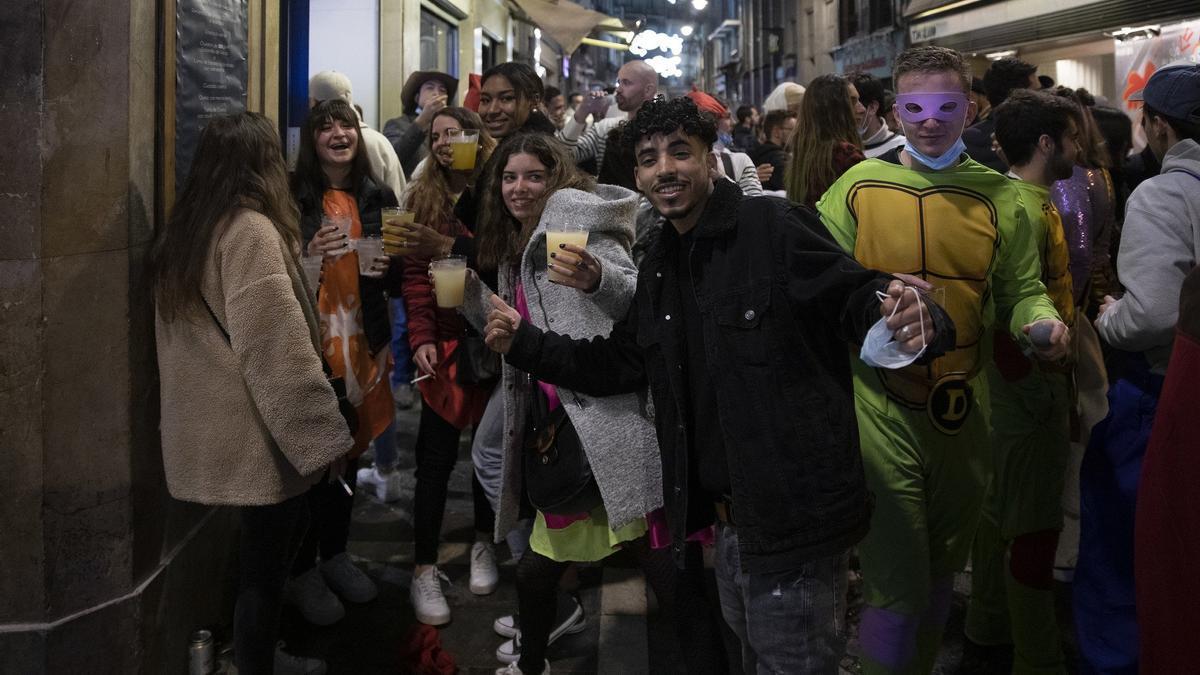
x=1159, y=246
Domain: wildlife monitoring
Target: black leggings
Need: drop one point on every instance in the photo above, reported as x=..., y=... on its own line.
x=269, y=538
x=437, y=453
x=680, y=595
x=329, y=529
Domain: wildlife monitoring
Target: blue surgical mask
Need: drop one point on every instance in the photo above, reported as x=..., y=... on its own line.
x=725, y=139
x=881, y=350
x=946, y=160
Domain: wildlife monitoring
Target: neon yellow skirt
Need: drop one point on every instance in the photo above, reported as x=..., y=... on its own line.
x=585, y=540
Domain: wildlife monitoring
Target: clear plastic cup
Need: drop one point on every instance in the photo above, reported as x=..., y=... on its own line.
x=368, y=248
x=397, y=218
x=464, y=146
x=449, y=280
x=562, y=233
x=342, y=223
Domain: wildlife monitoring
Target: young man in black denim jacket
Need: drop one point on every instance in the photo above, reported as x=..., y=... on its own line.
x=740, y=321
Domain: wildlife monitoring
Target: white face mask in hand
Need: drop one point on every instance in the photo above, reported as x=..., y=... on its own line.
x=880, y=350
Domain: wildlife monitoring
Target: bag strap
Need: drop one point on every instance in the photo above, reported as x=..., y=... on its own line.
x=728, y=162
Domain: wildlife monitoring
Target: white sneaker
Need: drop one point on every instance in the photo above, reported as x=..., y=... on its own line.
x=385, y=485
x=290, y=664
x=484, y=575
x=513, y=669
x=427, y=599
x=312, y=597
x=345, y=579
x=507, y=626
x=510, y=651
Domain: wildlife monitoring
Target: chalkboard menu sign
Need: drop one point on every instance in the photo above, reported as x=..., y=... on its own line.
x=210, y=70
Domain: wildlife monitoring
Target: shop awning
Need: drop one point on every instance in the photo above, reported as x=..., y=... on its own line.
x=568, y=23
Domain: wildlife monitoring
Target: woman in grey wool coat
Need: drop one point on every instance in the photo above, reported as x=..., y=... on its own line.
x=582, y=295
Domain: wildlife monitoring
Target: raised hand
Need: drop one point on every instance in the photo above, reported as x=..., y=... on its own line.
x=502, y=324
x=575, y=267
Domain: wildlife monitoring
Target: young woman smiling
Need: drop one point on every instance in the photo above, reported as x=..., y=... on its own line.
x=436, y=337
x=332, y=180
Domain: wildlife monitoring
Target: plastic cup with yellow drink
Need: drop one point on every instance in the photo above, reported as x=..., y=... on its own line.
x=449, y=280
x=464, y=146
x=562, y=233
x=398, y=230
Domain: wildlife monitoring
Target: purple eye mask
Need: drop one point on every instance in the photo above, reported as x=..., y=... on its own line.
x=944, y=106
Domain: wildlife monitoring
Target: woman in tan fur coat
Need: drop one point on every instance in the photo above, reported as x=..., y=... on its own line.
x=248, y=417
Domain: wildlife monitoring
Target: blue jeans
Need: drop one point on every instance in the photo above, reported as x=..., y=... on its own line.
x=784, y=620
x=385, y=448
x=402, y=371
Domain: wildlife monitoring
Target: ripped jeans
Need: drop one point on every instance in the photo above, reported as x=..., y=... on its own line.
x=784, y=620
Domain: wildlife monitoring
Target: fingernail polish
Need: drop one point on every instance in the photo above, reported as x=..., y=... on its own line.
x=553, y=255
x=562, y=245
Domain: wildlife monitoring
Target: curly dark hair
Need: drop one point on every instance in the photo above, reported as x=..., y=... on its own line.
x=664, y=117
x=1024, y=117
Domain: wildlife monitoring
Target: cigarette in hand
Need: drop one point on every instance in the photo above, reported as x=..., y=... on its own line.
x=345, y=487
x=423, y=377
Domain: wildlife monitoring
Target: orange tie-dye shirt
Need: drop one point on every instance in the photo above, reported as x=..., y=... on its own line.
x=339, y=302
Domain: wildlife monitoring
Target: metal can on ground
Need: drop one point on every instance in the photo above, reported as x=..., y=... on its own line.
x=202, y=653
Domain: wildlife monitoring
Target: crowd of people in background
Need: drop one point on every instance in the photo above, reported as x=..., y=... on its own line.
x=894, y=330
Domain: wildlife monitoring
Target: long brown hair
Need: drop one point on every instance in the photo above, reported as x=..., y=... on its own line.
x=826, y=121
x=428, y=194
x=309, y=182
x=1092, y=153
x=238, y=164
x=501, y=237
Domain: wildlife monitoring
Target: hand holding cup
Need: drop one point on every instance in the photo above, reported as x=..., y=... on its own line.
x=573, y=266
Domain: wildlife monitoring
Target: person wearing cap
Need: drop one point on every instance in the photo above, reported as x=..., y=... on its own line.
x=385, y=166
x=736, y=166
x=1160, y=243
x=424, y=94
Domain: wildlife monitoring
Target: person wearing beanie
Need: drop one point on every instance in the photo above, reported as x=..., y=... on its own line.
x=736, y=166
x=385, y=166
x=425, y=93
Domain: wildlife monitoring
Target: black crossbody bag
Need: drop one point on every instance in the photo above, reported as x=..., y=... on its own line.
x=558, y=476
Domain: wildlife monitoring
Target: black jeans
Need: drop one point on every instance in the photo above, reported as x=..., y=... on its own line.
x=437, y=453
x=269, y=538
x=329, y=528
x=680, y=595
